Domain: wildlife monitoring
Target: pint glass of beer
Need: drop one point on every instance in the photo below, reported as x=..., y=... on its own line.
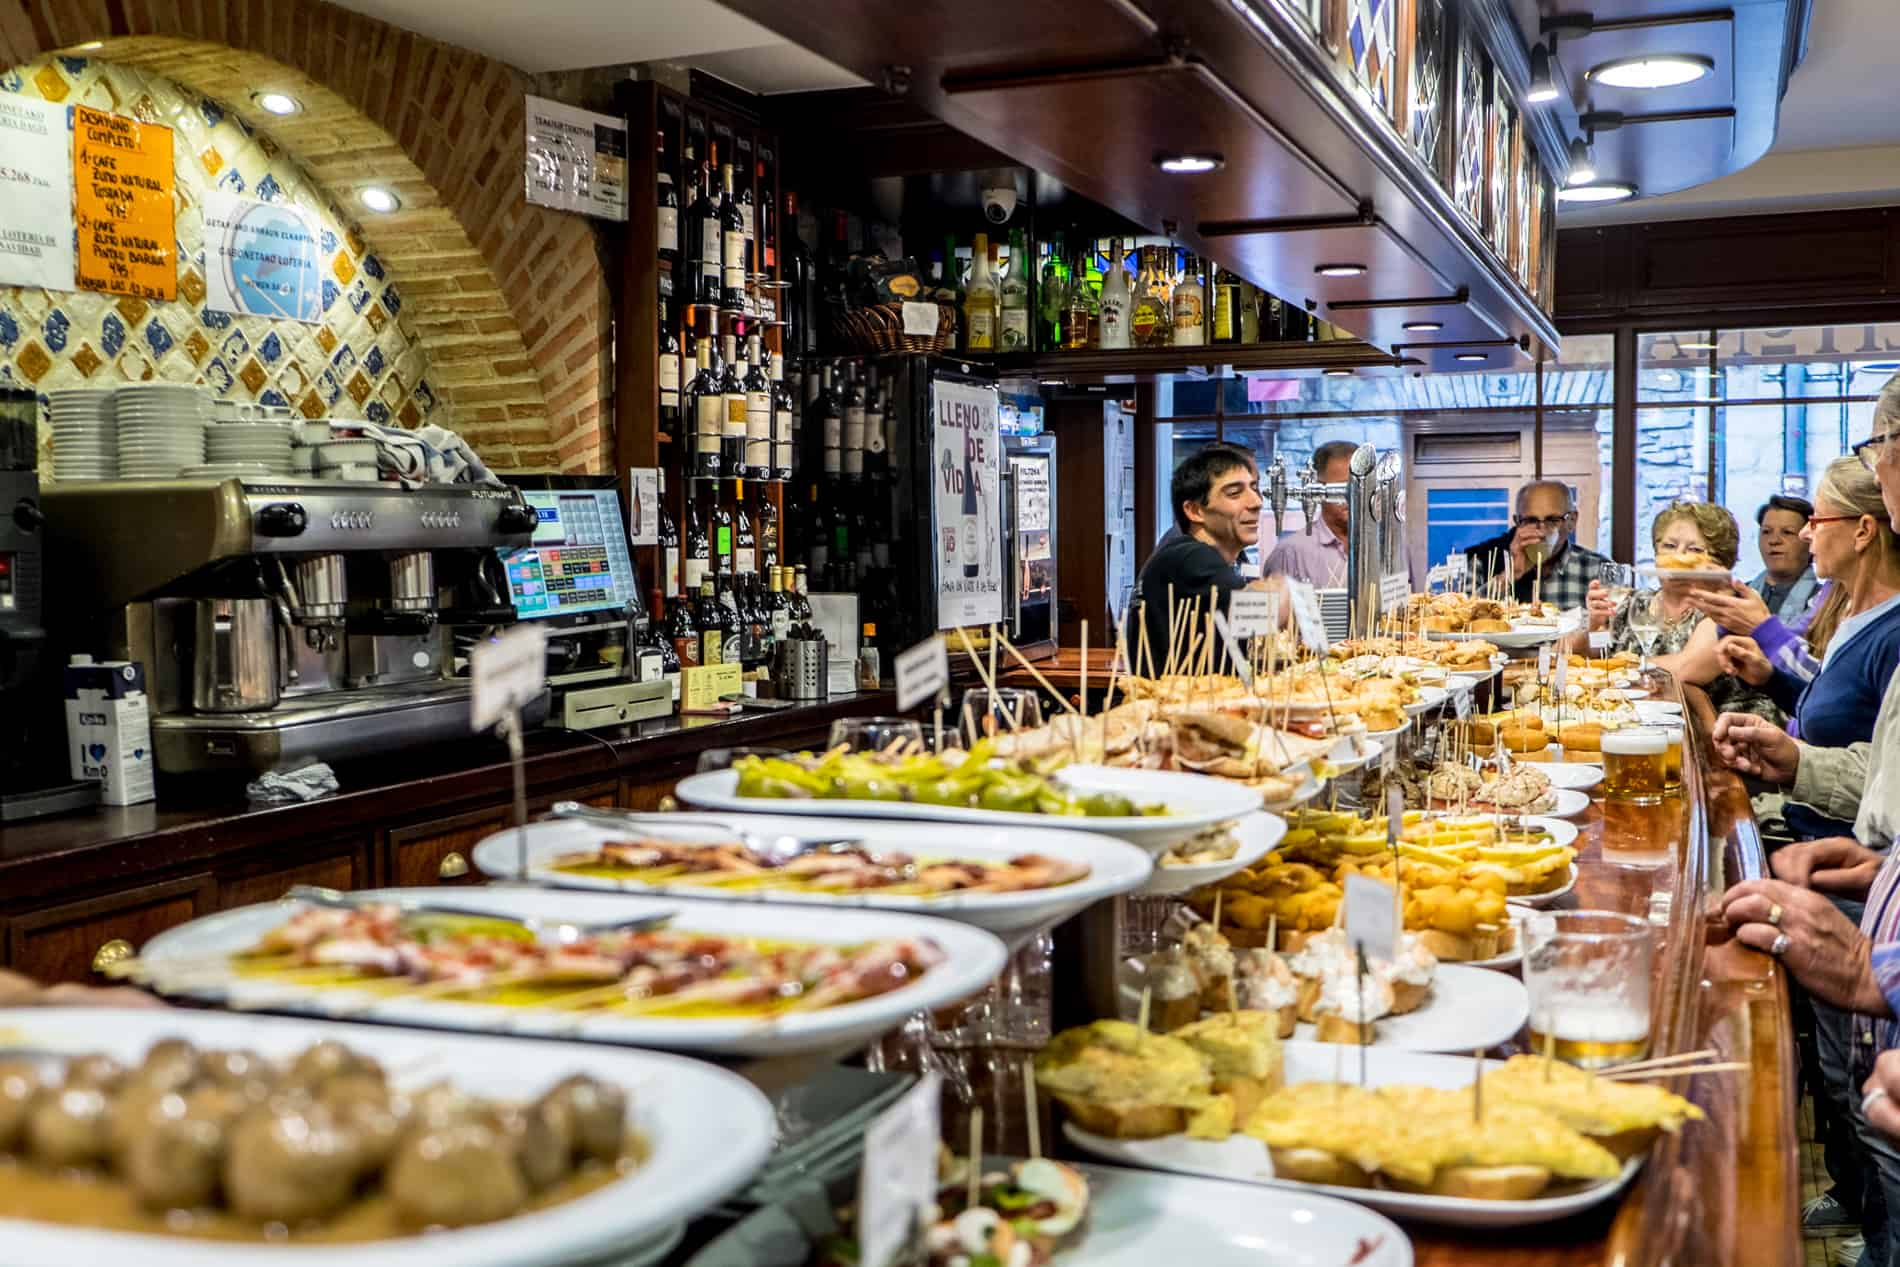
x=1635, y=764
x=1587, y=974
x=1672, y=761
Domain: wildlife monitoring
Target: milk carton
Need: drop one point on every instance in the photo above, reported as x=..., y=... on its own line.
x=109, y=728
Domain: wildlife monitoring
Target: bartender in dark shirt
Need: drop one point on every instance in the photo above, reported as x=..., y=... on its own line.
x=1216, y=500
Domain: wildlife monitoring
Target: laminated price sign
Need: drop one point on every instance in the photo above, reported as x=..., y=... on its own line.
x=1600, y=641
x=506, y=674
x=923, y=673
x=1371, y=916
x=1251, y=613
x=1306, y=614
x=1234, y=654
x=1394, y=589
x=898, y=1180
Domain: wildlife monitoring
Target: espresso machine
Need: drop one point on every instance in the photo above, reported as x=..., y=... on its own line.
x=283, y=622
x=1374, y=493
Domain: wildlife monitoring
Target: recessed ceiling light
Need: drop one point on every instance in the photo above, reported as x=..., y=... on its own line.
x=378, y=199
x=1543, y=85
x=1474, y=356
x=1336, y=373
x=1656, y=70
x=1601, y=191
x=1341, y=270
x=1188, y=164
x=277, y=102
x=1424, y=327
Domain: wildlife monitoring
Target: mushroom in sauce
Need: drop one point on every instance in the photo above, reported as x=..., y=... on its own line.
x=290, y=1161
x=455, y=1175
x=19, y=1087
x=70, y=1127
x=596, y=1113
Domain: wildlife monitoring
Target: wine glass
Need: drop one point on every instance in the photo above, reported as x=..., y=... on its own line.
x=875, y=734
x=1005, y=709
x=1619, y=581
x=1646, y=622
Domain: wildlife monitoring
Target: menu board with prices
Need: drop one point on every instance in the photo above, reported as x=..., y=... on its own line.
x=36, y=215
x=122, y=170
x=576, y=159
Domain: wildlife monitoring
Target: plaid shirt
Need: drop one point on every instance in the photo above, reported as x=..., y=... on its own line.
x=1567, y=577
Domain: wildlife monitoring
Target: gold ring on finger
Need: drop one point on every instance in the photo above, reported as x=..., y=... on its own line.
x=1774, y=914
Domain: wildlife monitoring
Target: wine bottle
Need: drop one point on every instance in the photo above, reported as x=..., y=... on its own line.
x=852, y=456
x=768, y=529
x=1013, y=296
x=699, y=558
x=745, y=546
x=708, y=405
x=784, y=423
x=710, y=618
x=702, y=238
x=719, y=528
x=979, y=301
x=758, y=413
x=683, y=632
x=667, y=211
x=669, y=420
x=672, y=578
x=665, y=640
x=732, y=426
x=732, y=244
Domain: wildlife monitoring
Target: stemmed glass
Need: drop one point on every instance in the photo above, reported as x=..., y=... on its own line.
x=1005, y=709
x=1619, y=581
x=1646, y=622
x=875, y=734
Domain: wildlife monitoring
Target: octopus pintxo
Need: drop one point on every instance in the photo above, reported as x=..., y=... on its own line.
x=845, y=869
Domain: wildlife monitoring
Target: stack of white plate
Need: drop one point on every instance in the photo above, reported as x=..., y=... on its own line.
x=161, y=429
x=265, y=443
x=85, y=441
x=228, y=470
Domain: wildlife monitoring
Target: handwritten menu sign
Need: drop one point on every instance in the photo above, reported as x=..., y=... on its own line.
x=122, y=177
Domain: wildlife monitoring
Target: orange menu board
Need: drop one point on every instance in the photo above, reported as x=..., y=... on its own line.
x=122, y=176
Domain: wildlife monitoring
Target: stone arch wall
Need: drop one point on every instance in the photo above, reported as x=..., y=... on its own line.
x=510, y=299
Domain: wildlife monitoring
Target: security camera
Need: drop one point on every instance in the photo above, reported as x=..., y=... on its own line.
x=999, y=203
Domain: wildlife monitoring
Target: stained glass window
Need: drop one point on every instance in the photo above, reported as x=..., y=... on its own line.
x=1503, y=143
x=1371, y=40
x=1468, y=172
x=1524, y=207
x=1426, y=123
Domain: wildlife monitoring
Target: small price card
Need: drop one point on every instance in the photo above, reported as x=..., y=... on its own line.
x=1306, y=614
x=1394, y=589
x=1371, y=916
x=1235, y=656
x=898, y=1181
x=1251, y=613
x=923, y=671
x=506, y=674
x=703, y=687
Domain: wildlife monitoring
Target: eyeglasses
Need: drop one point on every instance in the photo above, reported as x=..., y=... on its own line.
x=1869, y=451
x=1833, y=519
x=1547, y=521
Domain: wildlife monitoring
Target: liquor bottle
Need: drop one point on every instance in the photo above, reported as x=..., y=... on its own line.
x=683, y=633
x=725, y=588
x=1190, y=307
x=1014, y=296
x=876, y=441
x=1249, y=313
x=768, y=529
x=708, y=407
x=1272, y=317
x=759, y=622
x=1080, y=322
x=668, y=210
x=979, y=301
x=1151, y=318
x=1117, y=296
x=801, y=300
x=803, y=590
x=968, y=527
x=749, y=223
x=1226, y=307
x=732, y=422
x=697, y=565
x=951, y=291
x=758, y=413
x=841, y=536
x=784, y=423
x=709, y=617
x=669, y=420
x=731, y=246
x=702, y=238
x=853, y=448
x=719, y=529
x=831, y=415
x=672, y=578
x=665, y=640
x=745, y=546
x=768, y=227
x=1052, y=297
x=778, y=606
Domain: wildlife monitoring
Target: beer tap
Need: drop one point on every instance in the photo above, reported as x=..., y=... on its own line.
x=1304, y=488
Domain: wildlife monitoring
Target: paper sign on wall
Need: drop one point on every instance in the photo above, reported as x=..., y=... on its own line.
x=36, y=211
x=577, y=160
x=966, y=503
x=122, y=185
x=262, y=259
x=643, y=506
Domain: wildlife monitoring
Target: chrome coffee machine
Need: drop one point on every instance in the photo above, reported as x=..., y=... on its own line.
x=284, y=622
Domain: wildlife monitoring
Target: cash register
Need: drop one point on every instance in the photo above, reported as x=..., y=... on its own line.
x=576, y=576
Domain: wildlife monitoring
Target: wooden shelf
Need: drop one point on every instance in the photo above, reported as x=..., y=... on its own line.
x=1144, y=365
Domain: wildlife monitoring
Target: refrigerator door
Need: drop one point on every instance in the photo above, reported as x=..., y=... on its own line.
x=1032, y=530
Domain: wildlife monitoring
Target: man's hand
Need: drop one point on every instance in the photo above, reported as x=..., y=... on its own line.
x=1883, y=1110
x=1825, y=952
x=1601, y=606
x=1522, y=539
x=1838, y=864
x=1750, y=745
x=1740, y=657
x=1737, y=609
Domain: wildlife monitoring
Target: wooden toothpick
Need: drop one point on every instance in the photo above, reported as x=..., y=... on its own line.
x=1477, y=1085
x=1035, y=1118
x=976, y=1157
x=1141, y=1017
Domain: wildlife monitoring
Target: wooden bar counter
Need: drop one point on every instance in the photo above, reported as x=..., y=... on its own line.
x=75, y=885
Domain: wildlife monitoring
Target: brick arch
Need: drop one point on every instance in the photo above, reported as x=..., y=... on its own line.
x=509, y=299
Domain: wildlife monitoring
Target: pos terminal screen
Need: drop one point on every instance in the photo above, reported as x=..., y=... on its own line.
x=577, y=562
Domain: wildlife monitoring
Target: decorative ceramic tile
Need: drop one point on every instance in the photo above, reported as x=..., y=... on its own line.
x=1468, y=171
x=361, y=349
x=377, y=412
x=1426, y=121
x=1371, y=40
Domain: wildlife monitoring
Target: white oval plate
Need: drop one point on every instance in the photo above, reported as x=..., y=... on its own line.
x=1308, y=790
x=1257, y=834
x=1517, y=638
x=972, y=960
x=1245, y=1158
x=1548, y=898
x=1658, y=712
x=1195, y=801
x=1685, y=574
x=1115, y=866
x=1570, y=803
x=1514, y=956
x=1573, y=776
x=1429, y=697
x=708, y=1130
x=1561, y=830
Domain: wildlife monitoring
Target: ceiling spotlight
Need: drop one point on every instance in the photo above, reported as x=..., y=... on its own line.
x=1657, y=70
x=1189, y=164
x=1424, y=327
x=1473, y=356
x=378, y=199
x=1336, y=373
x=1341, y=270
x=1601, y=191
x=276, y=103
x=1543, y=85
x=1583, y=162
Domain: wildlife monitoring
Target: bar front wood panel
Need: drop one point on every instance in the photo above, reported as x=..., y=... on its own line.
x=58, y=943
x=441, y=851
x=347, y=863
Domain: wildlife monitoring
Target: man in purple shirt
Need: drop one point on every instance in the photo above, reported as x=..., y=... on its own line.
x=1318, y=555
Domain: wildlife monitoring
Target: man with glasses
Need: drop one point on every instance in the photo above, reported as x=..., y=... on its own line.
x=1540, y=554
x=1318, y=556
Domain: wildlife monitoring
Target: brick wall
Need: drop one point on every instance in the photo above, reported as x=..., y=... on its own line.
x=509, y=300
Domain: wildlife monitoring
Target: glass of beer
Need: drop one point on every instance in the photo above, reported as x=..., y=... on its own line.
x=1634, y=762
x=1587, y=973
x=1672, y=761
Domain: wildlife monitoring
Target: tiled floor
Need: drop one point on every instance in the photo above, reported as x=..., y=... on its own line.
x=1820, y=1253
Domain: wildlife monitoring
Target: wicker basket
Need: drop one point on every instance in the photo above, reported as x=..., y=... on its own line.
x=880, y=328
